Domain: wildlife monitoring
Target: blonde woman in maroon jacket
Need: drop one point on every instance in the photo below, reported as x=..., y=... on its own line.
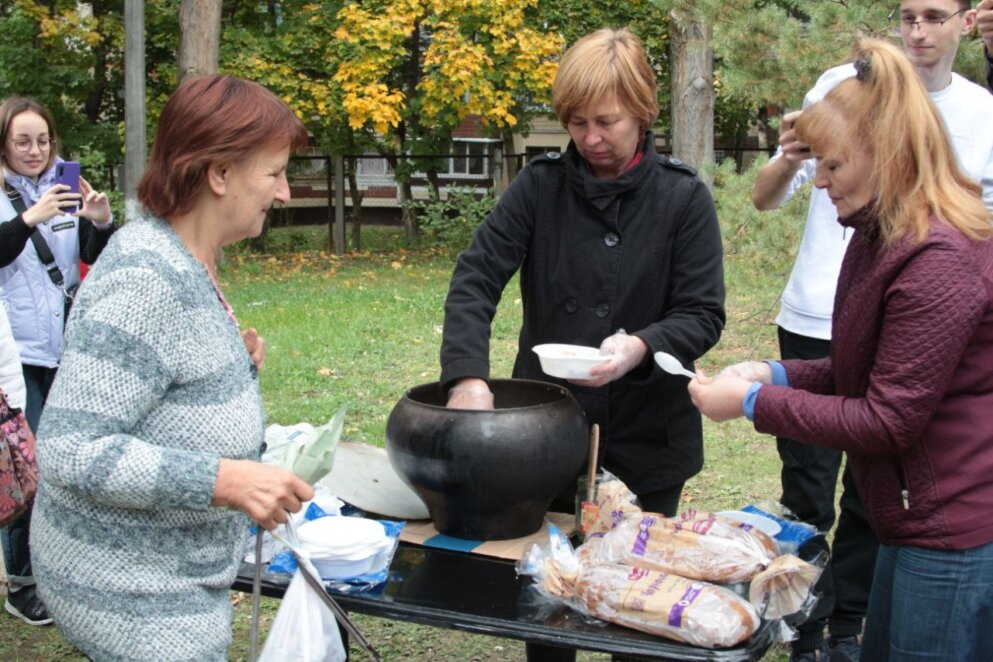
x=908, y=389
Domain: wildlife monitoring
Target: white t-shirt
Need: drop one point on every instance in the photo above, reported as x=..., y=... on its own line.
x=808, y=300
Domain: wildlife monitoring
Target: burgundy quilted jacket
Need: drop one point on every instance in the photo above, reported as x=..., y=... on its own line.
x=908, y=388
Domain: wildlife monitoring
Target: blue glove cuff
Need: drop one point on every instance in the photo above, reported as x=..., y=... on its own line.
x=779, y=377
x=748, y=405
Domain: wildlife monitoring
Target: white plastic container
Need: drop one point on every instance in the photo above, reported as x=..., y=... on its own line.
x=568, y=361
x=343, y=547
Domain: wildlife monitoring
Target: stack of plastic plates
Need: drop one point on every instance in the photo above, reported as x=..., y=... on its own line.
x=342, y=547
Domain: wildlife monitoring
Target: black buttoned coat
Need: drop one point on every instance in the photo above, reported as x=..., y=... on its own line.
x=641, y=252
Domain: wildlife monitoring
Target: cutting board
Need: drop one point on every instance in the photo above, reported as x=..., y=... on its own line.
x=424, y=533
x=363, y=476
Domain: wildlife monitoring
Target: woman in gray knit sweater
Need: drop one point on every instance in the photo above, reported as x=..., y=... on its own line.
x=150, y=442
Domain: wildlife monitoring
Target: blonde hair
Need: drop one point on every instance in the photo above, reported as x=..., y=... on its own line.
x=887, y=110
x=602, y=63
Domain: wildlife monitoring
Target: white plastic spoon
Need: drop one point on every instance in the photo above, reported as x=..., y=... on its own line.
x=671, y=364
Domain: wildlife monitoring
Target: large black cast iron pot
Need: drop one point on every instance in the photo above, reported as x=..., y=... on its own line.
x=488, y=475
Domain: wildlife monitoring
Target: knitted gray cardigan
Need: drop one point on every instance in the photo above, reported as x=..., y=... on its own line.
x=155, y=386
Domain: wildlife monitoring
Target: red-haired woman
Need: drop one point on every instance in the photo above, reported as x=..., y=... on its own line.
x=907, y=390
x=150, y=441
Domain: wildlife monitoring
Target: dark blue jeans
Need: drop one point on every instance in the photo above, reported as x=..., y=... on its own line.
x=809, y=476
x=14, y=536
x=931, y=605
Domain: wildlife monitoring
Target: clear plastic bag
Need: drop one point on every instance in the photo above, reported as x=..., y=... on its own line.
x=658, y=603
x=304, y=629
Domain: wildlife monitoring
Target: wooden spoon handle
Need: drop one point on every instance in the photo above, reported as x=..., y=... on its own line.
x=591, y=470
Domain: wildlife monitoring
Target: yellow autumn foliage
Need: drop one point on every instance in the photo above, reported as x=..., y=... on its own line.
x=476, y=57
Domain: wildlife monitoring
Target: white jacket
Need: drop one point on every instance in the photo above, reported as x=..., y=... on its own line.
x=34, y=305
x=11, y=377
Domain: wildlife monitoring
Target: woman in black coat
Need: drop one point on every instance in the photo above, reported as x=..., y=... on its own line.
x=608, y=236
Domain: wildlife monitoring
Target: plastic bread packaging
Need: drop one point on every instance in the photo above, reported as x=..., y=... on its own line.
x=701, y=545
x=695, y=545
x=614, y=503
x=659, y=603
x=784, y=588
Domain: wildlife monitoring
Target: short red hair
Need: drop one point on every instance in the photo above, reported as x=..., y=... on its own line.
x=207, y=120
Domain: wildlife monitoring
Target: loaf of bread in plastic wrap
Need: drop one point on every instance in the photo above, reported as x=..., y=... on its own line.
x=695, y=545
x=659, y=603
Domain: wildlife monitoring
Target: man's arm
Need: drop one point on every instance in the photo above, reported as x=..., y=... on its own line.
x=773, y=181
x=984, y=23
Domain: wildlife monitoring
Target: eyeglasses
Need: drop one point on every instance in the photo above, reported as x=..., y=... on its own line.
x=23, y=145
x=909, y=21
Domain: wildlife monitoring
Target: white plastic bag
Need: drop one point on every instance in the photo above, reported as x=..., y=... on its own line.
x=303, y=449
x=304, y=629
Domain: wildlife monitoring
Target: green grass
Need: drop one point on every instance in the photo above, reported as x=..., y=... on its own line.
x=359, y=330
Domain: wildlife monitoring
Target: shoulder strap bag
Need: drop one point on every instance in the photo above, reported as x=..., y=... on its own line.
x=44, y=252
x=18, y=463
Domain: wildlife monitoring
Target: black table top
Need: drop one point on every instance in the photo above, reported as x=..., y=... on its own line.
x=483, y=595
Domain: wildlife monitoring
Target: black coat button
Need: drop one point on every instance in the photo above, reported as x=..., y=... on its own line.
x=571, y=306
x=611, y=239
x=602, y=310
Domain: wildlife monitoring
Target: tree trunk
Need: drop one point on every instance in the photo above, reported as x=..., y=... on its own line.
x=408, y=216
x=692, y=88
x=93, y=105
x=199, y=37
x=434, y=183
x=356, y=195
x=511, y=163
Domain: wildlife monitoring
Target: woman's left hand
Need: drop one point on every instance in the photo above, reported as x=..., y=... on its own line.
x=719, y=398
x=626, y=353
x=96, y=206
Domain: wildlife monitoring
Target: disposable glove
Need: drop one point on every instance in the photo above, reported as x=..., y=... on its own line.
x=752, y=371
x=470, y=394
x=626, y=353
x=718, y=398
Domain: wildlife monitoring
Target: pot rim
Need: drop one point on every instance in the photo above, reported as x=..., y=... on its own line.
x=565, y=392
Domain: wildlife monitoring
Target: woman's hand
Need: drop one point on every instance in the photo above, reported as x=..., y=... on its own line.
x=96, y=206
x=50, y=205
x=752, y=371
x=470, y=393
x=794, y=151
x=626, y=353
x=256, y=346
x=265, y=493
x=984, y=23
x=719, y=398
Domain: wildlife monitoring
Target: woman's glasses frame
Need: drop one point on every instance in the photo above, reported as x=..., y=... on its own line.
x=23, y=145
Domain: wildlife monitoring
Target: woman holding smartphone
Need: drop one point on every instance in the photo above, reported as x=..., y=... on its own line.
x=45, y=230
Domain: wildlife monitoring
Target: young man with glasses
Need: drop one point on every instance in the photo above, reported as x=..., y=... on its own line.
x=930, y=31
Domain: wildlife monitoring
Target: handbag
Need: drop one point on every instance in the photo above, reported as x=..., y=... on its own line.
x=18, y=463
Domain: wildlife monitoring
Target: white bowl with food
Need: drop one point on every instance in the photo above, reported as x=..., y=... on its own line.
x=569, y=361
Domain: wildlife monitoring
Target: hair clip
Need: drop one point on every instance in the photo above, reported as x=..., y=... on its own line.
x=863, y=68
